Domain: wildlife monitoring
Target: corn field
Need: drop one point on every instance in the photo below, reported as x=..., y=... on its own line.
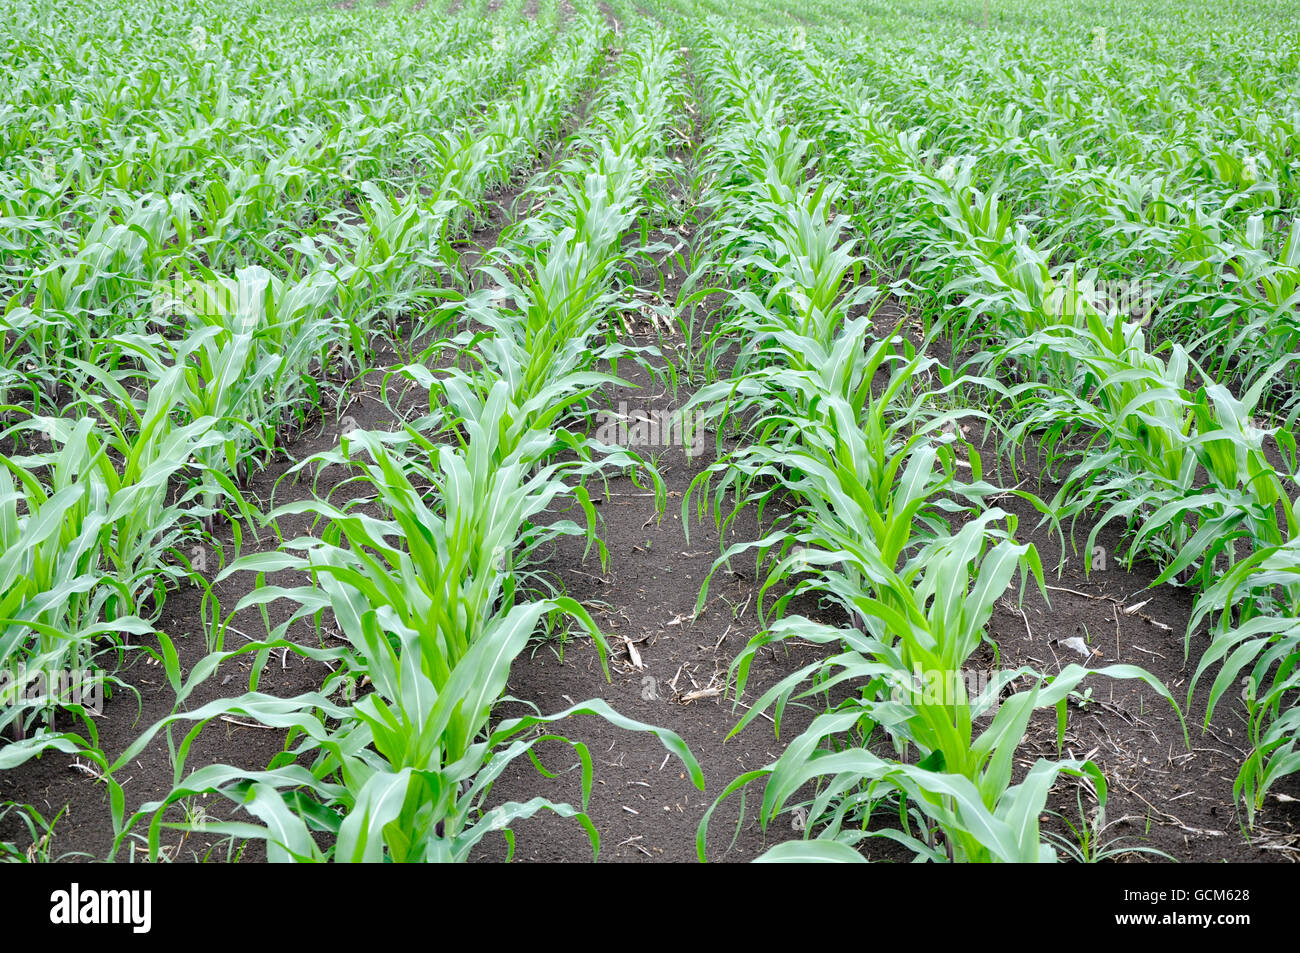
x=834, y=431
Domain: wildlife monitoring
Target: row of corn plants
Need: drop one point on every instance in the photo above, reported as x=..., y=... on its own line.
x=876, y=489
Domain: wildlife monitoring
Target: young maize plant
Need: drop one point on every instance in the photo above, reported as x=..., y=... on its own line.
x=867, y=531
x=60, y=606
x=91, y=558
x=1257, y=603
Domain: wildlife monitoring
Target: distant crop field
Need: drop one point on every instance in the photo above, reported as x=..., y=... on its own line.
x=812, y=431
